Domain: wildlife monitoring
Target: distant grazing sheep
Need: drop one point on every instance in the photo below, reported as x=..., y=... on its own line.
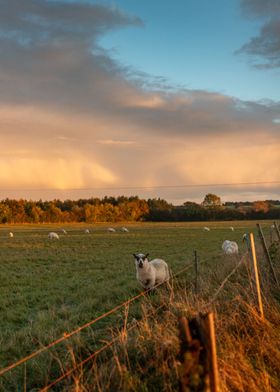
x=53, y=236
x=206, y=228
x=87, y=231
x=272, y=231
x=245, y=238
x=124, y=229
x=11, y=234
x=111, y=230
x=150, y=273
x=231, y=228
x=230, y=247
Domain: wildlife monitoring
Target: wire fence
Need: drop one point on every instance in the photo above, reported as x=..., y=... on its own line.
x=124, y=304
x=130, y=328
x=66, y=336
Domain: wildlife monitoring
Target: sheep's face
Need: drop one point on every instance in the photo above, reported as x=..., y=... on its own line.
x=140, y=259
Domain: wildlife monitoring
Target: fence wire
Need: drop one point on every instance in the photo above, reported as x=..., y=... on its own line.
x=70, y=334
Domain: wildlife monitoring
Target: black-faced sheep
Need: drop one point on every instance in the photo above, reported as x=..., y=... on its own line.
x=150, y=273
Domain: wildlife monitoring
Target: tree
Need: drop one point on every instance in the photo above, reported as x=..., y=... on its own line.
x=211, y=200
x=261, y=206
x=5, y=213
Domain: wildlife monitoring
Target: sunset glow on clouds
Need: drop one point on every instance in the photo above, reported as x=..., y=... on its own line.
x=72, y=117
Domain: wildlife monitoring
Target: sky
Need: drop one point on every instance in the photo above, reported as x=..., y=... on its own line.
x=150, y=98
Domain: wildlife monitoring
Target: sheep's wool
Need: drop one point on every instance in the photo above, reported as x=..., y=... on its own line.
x=152, y=273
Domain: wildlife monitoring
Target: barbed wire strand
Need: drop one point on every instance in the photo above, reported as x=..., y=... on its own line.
x=213, y=299
x=70, y=334
x=93, y=355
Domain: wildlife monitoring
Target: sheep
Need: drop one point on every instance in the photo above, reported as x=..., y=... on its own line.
x=111, y=230
x=230, y=247
x=124, y=229
x=150, y=273
x=11, y=234
x=87, y=231
x=231, y=228
x=63, y=231
x=245, y=238
x=53, y=236
x=206, y=228
x=273, y=228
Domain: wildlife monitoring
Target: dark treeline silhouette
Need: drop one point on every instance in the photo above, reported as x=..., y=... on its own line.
x=117, y=209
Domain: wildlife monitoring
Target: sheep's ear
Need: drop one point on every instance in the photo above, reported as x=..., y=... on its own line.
x=134, y=255
x=146, y=255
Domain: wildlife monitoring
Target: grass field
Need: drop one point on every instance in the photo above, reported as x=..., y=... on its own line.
x=50, y=287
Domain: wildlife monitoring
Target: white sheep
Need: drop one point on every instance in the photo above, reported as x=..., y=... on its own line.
x=231, y=228
x=53, y=236
x=206, y=228
x=11, y=234
x=87, y=231
x=111, y=230
x=150, y=273
x=230, y=247
x=124, y=229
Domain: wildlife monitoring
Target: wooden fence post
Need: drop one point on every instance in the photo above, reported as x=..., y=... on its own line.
x=209, y=328
x=267, y=255
x=196, y=271
x=277, y=230
x=256, y=275
x=199, y=370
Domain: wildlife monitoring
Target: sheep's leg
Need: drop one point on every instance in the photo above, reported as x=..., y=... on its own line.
x=147, y=283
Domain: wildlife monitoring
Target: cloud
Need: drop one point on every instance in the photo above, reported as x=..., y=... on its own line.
x=71, y=117
x=56, y=173
x=115, y=142
x=260, y=8
x=265, y=48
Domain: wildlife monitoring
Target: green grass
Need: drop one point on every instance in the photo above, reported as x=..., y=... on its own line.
x=50, y=287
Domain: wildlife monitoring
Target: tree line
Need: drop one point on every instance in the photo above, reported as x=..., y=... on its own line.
x=122, y=208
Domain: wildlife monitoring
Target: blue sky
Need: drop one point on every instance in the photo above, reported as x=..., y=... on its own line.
x=126, y=97
x=193, y=43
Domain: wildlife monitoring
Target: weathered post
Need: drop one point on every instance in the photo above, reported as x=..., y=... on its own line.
x=209, y=329
x=256, y=274
x=193, y=371
x=199, y=370
x=267, y=255
x=277, y=230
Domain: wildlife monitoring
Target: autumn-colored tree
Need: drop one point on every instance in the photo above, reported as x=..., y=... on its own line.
x=5, y=213
x=122, y=208
x=211, y=200
x=261, y=206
